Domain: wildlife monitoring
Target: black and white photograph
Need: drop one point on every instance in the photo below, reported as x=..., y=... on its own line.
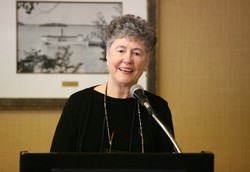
x=63, y=37
x=54, y=48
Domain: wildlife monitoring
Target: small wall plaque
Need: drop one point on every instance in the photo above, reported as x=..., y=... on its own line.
x=70, y=84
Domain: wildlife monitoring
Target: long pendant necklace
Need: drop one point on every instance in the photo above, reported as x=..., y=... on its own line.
x=110, y=136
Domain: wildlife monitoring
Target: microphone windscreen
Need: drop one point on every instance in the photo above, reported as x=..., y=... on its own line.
x=134, y=88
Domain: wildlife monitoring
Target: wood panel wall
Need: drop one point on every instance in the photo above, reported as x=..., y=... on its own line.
x=204, y=72
x=24, y=131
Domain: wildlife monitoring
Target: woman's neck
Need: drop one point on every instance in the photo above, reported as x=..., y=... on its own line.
x=117, y=91
x=114, y=89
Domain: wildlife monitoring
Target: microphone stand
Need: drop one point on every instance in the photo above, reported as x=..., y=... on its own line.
x=137, y=92
x=166, y=130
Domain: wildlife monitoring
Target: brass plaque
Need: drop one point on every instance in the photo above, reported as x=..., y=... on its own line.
x=70, y=84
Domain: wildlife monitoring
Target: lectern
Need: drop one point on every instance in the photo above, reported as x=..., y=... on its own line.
x=116, y=162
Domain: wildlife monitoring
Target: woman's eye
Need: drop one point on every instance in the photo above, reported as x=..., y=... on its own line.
x=137, y=54
x=120, y=51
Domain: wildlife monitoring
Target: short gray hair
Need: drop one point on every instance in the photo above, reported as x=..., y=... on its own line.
x=131, y=26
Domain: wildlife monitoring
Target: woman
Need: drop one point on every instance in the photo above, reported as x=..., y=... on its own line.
x=105, y=118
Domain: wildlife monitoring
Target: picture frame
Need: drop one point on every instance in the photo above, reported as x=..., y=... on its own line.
x=31, y=102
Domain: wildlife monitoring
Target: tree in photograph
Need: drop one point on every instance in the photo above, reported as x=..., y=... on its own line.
x=36, y=62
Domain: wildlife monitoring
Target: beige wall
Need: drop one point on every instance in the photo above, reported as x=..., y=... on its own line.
x=24, y=131
x=203, y=72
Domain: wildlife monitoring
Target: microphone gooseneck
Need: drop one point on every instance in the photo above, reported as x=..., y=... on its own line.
x=137, y=92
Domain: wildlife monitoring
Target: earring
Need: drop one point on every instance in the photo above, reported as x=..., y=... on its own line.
x=146, y=73
x=107, y=69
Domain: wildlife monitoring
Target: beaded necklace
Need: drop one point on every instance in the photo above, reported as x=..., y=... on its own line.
x=110, y=136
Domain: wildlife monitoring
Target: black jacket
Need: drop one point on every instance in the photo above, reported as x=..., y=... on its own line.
x=81, y=126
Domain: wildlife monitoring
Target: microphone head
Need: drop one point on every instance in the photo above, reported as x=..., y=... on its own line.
x=134, y=88
x=137, y=92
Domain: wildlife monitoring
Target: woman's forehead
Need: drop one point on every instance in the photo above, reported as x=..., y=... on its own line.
x=128, y=40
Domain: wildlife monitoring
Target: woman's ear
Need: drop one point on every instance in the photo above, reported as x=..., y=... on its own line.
x=148, y=62
x=107, y=52
x=107, y=59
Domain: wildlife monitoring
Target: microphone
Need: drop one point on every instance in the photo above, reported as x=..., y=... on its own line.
x=137, y=92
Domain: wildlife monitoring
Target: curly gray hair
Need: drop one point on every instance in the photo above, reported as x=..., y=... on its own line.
x=131, y=26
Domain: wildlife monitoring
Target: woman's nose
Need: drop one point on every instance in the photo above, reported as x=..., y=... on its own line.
x=127, y=58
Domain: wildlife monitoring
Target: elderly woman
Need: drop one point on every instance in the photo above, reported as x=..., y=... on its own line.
x=105, y=118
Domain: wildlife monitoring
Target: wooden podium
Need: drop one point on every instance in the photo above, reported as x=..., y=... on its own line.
x=116, y=162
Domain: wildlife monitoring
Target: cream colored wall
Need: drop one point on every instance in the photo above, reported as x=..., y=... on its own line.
x=203, y=71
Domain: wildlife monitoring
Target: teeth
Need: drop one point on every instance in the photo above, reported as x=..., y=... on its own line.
x=126, y=69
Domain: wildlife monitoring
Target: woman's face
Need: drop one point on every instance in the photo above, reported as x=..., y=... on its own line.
x=126, y=60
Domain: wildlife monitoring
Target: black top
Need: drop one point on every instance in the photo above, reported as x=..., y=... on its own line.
x=82, y=126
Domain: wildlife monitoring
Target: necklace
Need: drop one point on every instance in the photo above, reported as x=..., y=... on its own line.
x=111, y=136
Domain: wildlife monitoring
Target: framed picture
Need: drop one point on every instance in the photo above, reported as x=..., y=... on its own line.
x=52, y=41
x=60, y=49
